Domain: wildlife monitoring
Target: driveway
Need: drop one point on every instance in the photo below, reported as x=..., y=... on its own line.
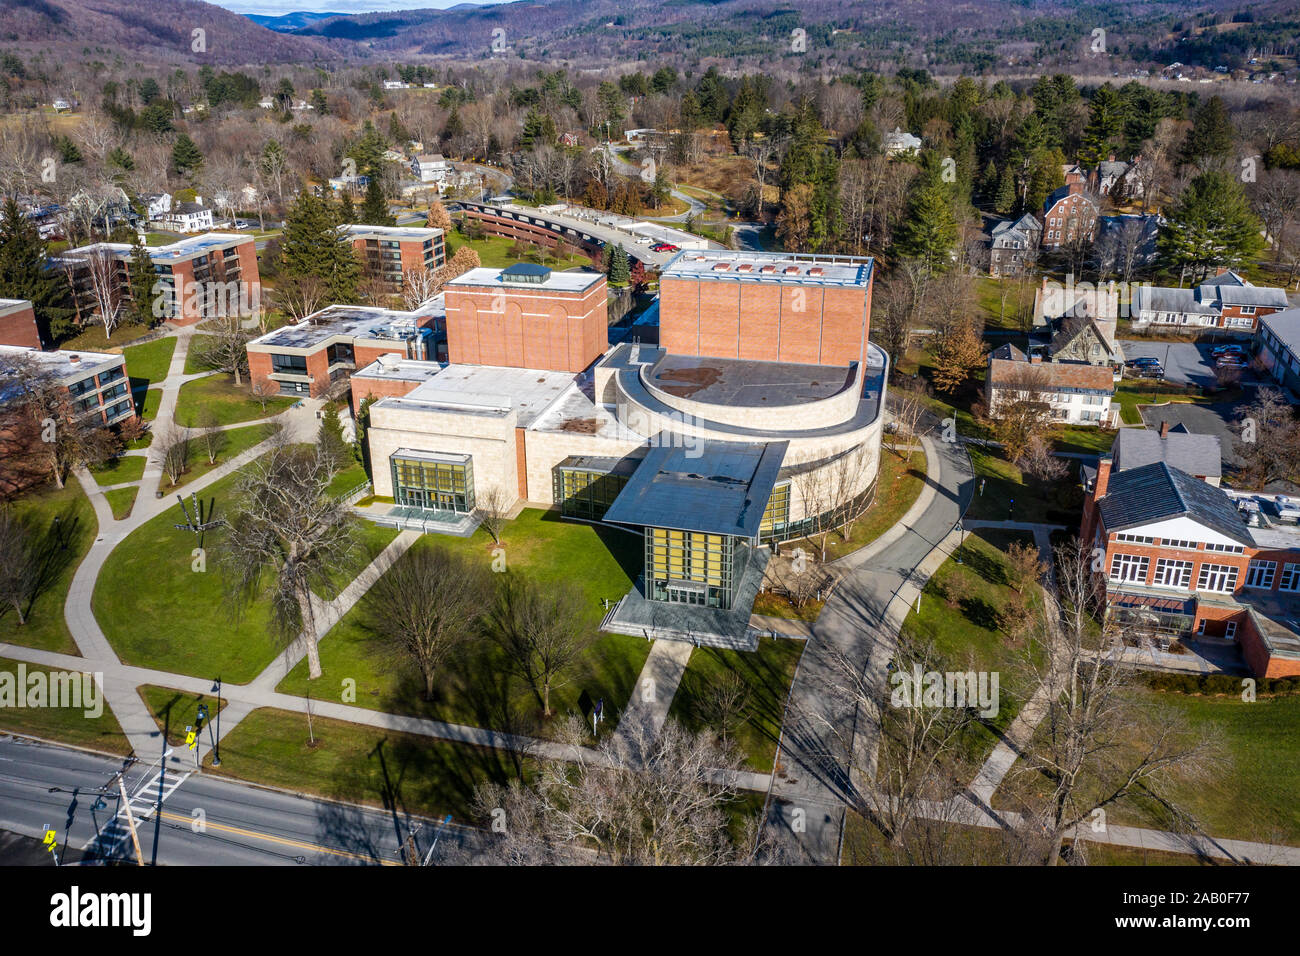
x=1185, y=363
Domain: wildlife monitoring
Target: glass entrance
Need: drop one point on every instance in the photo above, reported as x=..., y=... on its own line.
x=430, y=482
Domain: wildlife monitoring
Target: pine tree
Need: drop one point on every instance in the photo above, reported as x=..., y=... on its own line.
x=374, y=209
x=620, y=267
x=1211, y=136
x=347, y=209
x=1005, y=201
x=24, y=274
x=1210, y=227
x=311, y=247
x=186, y=157
x=1105, y=123
x=928, y=231
x=141, y=279
x=330, y=436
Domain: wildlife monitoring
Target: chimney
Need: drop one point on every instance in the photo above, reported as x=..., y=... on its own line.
x=74, y=359
x=1103, y=477
x=1074, y=187
x=1164, y=429
x=1036, y=360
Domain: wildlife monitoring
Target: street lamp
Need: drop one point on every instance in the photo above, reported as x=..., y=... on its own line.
x=216, y=745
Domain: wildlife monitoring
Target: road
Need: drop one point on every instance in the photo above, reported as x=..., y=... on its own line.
x=43, y=784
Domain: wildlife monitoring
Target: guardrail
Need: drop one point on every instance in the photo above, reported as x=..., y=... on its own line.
x=357, y=493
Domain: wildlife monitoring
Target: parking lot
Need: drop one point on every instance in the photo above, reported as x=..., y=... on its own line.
x=1185, y=363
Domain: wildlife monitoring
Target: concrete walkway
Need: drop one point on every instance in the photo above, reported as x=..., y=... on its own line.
x=653, y=694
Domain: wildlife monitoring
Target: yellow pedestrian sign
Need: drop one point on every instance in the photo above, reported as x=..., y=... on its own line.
x=51, y=840
x=192, y=740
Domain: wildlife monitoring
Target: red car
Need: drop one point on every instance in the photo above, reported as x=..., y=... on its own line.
x=664, y=247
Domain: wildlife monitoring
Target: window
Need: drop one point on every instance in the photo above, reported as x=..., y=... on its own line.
x=1247, y=310
x=433, y=485
x=1260, y=574
x=1183, y=545
x=1290, y=578
x=1217, y=577
x=586, y=492
x=777, y=513
x=1129, y=567
x=1230, y=630
x=289, y=364
x=339, y=352
x=1134, y=538
x=1173, y=574
x=1226, y=548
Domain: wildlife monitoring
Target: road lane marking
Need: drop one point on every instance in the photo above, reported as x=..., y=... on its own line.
x=283, y=841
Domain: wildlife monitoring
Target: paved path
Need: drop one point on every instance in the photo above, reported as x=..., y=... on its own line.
x=860, y=622
x=654, y=691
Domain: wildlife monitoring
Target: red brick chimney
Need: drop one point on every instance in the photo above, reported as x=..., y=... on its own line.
x=1103, y=477
x=1164, y=429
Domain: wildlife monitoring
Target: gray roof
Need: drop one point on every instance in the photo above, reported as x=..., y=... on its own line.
x=1234, y=294
x=1181, y=449
x=716, y=487
x=1072, y=327
x=1165, y=299
x=1285, y=326
x=1009, y=352
x=1157, y=492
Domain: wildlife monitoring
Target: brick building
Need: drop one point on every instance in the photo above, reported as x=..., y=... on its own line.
x=1226, y=303
x=766, y=306
x=526, y=316
x=327, y=346
x=391, y=252
x=1068, y=214
x=1183, y=559
x=201, y=277
x=18, y=324
x=97, y=382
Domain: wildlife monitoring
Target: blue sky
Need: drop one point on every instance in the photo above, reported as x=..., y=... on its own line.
x=280, y=7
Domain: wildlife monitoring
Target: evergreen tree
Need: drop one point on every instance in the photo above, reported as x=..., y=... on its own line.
x=24, y=274
x=1105, y=124
x=186, y=157
x=1005, y=201
x=1211, y=136
x=1210, y=227
x=374, y=208
x=928, y=231
x=311, y=247
x=347, y=209
x=141, y=278
x=455, y=127
x=330, y=436
x=620, y=267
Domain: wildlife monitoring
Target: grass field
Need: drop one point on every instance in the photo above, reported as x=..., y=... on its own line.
x=91, y=339
x=117, y=471
x=65, y=525
x=401, y=773
x=230, y=403
x=174, y=710
x=475, y=687
x=194, y=361
x=148, y=402
x=150, y=361
x=1003, y=492
x=70, y=725
x=494, y=252
x=121, y=500
x=235, y=442
x=766, y=673
x=159, y=612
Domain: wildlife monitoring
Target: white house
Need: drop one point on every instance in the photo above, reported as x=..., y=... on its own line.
x=430, y=167
x=156, y=205
x=189, y=216
x=899, y=142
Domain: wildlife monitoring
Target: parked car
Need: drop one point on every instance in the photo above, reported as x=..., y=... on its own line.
x=1220, y=350
x=1231, y=361
x=1145, y=362
x=665, y=247
x=1151, y=371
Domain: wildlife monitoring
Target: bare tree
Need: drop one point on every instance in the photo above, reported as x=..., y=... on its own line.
x=1036, y=459
x=172, y=446
x=637, y=800
x=907, y=409
x=212, y=437
x=427, y=606
x=225, y=348
x=1269, y=441
x=544, y=631
x=285, y=535
x=106, y=288
x=418, y=287
x=493, y=505
x=725, y=704
x=19, y=568
x=1027, y=569
x=1020, y=405
x=1100, y=740
x=300, y=296
x=263, y=390
x=815, y=494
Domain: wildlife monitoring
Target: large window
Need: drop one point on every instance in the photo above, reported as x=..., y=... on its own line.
x=1129, y=567
x=585, y=492
x=433, y=483
x=777, y=514
x=288, y=364
x=1290, y=578
x=1217, y=577
x=339, y=352
x=1173, y=574
x=691, y=567
x=1260, y=574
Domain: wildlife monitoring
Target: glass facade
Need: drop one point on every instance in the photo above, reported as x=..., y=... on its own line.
x=693, y=567
x=586, y=493
x=433, y=485
x=777, y=514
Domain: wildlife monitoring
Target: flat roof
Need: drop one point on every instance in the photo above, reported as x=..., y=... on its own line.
x=711, y=486
x=360, y=230
x=62, y=361
x=356, y=321
x=782, y=267
x=745, y=383
x=486, y=390
x=395, y=368
x=181, y=249
x=484, y=277
x=13, y=305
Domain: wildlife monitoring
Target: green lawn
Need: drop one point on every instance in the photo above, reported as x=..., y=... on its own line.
x=92, y=339
x=1131, y=393
x=149, y=362
x=766, y=673
x=159, y=612
x=402, y=773
x=998, y=484
x=61, y=545
x=475, y=688
x=347, y=479
x=194, y=362
x=372, y=538
x=121, y=500
x=972, y=634
x=174, y=710
x=898, y=486
x=237, y=441
x=66, y=724
x=148, y=402
x=230, y=403
x=117, y=471
x=494, y=252
x=1084, y=439
x=1252, y=794
x=989, y=305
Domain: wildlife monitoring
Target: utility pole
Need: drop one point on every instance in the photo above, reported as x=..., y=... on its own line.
x=130, y=820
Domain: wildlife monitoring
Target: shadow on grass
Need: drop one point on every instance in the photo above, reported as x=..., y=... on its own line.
x=51, y=554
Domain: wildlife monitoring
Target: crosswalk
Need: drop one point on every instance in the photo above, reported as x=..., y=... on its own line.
x=113, y=842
